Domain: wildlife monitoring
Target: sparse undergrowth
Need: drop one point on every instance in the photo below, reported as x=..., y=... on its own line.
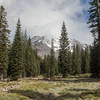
x=74, y=88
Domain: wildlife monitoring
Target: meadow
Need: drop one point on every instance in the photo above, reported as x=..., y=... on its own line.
x=72, y=88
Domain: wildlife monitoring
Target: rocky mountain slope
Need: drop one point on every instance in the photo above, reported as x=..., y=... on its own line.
x=42, y=45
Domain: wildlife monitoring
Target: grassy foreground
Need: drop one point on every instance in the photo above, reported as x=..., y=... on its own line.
x=73, y=88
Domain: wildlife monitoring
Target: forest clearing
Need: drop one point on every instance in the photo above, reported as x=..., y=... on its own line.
x=50, y=50
x=72, y=88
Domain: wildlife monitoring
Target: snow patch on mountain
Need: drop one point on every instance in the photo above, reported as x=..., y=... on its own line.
x=43, y=45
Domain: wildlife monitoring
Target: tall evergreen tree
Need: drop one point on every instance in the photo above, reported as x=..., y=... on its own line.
x=83, y=60
x=70, y=62
x=15, y=60
x=45, y=66
x=87, y=60
x=52, y=60
x=4, y=33
x=94, y=24
x=79, y=60
x=85, y=54
x=29, y=58
x=32, y=67
x=24, y=39
x=94, y=60
x=63, y=60
x=56, y=67
x=94, y=18
x=76, y=59
x=49, y=66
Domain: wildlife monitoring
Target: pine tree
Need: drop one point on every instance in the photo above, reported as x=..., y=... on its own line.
x=32, y=67
x=42, y=66
x=70, y=62
x=4, y=33
x=45, y=66
x=56, y=67
x=94, y=24
x=24, y=39
x=63, y=59
x=52, y=60
x=83, y=54
x=15, y=59
x=48, y=65
x=29, y=58
x=87, y=60
x=76, y=60
x=94, y=18
x=36, y=64
x=94, y=60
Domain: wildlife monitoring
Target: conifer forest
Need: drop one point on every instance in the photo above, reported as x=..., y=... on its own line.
x=50, y=50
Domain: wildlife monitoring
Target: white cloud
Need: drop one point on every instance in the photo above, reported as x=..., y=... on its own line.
x=44, y=17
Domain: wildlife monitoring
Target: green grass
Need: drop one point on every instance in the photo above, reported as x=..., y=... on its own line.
x=12, y=96
x=73, y=88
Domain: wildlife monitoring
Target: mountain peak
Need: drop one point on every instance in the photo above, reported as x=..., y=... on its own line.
x=41, y=44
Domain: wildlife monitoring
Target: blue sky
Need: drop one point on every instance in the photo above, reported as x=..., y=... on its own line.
x=45, y=17
x=84, y=1
x=85, y=11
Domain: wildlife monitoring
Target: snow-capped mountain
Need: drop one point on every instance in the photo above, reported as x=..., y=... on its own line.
x=74, y=42
x=43, y=45
x=41, y=39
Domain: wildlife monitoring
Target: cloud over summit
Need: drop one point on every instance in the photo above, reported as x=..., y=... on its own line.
x=45, y=17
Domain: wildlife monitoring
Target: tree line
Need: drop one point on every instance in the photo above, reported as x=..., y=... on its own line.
x=69, y=62
x=18, y=59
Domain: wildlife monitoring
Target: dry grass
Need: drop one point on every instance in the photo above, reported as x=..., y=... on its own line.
x=73, y=88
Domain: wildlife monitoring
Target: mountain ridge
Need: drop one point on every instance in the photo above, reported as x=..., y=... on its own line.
x=43, y=46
